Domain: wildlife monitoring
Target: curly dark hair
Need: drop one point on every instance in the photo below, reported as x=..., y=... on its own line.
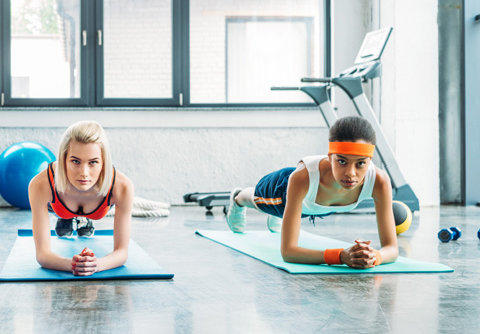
x=352, y=128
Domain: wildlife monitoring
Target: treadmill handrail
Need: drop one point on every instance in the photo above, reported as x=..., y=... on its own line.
x=324, y=80
x=284, y=88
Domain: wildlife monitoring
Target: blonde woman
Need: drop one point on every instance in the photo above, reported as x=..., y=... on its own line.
x=81, y=185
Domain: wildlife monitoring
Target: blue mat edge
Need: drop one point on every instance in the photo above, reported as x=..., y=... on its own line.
x=29, y=233
x=89, y=278
x=365, y=271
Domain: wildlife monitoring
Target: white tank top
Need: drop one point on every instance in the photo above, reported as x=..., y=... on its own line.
x=309, y=207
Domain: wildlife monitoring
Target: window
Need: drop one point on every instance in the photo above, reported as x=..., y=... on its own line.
x=239, y=49
x=262, y=52
x=160, y=52
x=137, y=49
x=44, y=49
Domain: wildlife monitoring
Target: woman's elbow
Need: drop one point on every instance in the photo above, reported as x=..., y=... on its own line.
x=41, y=259
x=287, y=254
x=123, y=256
x=395, y=254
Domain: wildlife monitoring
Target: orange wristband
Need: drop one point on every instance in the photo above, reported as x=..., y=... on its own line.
x=332, y=256
x=378, y=258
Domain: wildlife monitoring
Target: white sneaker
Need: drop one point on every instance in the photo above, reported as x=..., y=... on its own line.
x=236, y=214
x=274, y=224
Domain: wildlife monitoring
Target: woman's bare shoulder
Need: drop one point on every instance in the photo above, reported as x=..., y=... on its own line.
x=123, y=186
x=40, y=186
x=382, y=183
x=299, y=180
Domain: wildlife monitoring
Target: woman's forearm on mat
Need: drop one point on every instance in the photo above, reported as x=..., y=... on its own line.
x=303, y=255
x=50, y=260
x=115, y=259
x=389, y=254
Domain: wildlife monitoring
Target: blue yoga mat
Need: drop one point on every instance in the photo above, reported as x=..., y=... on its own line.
x=22, y=266
x=265, y=246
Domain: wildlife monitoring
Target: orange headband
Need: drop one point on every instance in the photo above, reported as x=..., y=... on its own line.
x=344, y=147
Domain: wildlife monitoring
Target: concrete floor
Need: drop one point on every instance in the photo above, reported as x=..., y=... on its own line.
x=216, y=289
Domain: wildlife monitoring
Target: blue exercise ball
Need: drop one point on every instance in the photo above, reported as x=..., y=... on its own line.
x=19, y=163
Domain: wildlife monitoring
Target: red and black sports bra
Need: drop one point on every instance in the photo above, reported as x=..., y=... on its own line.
x=63, y=212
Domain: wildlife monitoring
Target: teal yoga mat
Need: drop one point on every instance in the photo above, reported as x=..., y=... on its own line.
x=265, y=246
x=22, y=266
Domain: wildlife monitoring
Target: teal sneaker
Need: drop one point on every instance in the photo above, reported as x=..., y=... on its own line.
x=236, y=216
x=274, y=224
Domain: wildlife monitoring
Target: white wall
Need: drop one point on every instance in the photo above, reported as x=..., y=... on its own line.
x=166, y=160
x=409, y=97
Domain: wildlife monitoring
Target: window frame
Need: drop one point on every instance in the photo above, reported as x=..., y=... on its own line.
x=10, y=101
x=327, y=69
x=91, y=64
x=101, y=101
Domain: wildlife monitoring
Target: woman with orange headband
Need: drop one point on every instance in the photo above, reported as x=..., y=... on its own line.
x=320, y=186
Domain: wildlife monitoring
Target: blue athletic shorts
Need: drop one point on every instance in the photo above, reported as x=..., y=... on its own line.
x=271, y=193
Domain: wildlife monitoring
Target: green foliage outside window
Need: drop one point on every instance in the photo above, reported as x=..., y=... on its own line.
x=35, y=17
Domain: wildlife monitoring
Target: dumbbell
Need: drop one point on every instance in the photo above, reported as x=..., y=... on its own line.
x=447, y=234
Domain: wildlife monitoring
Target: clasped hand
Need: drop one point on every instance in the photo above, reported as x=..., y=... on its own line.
x=85, y=263
x=359, y=256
